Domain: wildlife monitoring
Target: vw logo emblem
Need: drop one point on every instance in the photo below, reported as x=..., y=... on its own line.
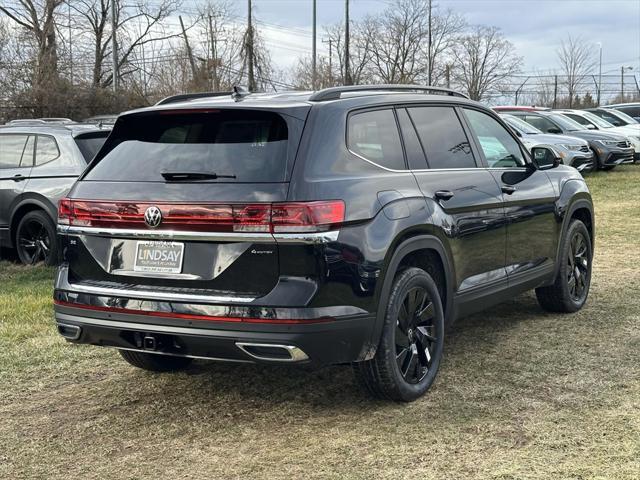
x=153, y=217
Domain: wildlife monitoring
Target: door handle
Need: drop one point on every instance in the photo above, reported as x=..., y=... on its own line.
x=508, y=189
x=444, y=194
x=18, y=178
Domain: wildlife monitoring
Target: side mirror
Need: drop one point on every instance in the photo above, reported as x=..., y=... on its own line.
x=591, y=126
x=544, y=158
x=554, y=130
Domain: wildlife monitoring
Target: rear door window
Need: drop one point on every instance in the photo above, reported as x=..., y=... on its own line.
x=12, y=147
x=442, y=136
x=374, y=136
x=234, y=145
x=46, y=149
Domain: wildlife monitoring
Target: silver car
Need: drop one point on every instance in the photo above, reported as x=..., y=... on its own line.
x=39, y=162
x=573, y=151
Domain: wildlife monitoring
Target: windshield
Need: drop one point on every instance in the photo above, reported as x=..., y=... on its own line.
x=599, y=122
x=89, y=144
x=566, y=123
x=623, y=116
x=232, y=145
x=520, y=125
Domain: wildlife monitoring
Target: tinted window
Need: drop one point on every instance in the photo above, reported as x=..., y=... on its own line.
x=415, y=155
x=90, y=144
x=11, y=149
x=499, y=147
x=612, y=119
x=566, y=123
x=374, y=136
x=442, y=137
x=579, y=119
x=46, y=149
x=237, y=145
x=542, y=123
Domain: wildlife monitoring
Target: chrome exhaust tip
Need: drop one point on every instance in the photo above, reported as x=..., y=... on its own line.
x=273, y=352
x=70, y=332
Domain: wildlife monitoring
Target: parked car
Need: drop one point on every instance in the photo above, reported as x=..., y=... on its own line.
x=572, y=150
x=630, y=109
x=593, y=122
x=615, y=117
x=609, y=149
x=346, y=225
x=39, y=162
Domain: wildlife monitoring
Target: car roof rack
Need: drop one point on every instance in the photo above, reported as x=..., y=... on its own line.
x=183, y=97
x=334, y=93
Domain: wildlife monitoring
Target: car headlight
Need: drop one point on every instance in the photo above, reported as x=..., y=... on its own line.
x=608, y=143
x=575, y=148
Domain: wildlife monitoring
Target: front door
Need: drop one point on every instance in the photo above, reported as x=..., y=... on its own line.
x=464, y=197
x=528, y=194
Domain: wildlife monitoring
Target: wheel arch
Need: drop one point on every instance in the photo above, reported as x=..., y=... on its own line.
x=28, y=204
x=424, y=251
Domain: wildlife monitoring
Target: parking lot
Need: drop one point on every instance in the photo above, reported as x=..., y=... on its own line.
x=521, y=393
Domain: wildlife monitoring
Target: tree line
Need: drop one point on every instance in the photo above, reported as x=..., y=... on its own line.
x=57, y=56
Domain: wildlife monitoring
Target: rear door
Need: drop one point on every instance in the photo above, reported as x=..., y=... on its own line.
x=466, y=199
x=16, y=162
x=178, y=200
x=528, y=195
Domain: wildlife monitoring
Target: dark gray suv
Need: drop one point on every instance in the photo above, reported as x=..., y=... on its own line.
x=39, y=162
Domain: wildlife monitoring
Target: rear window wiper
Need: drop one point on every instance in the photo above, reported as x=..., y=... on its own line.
x=178, y=176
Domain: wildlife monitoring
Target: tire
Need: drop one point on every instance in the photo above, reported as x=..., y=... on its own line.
x=36, y=239
x=155, y=362
x=570, y=290
x=410, y=350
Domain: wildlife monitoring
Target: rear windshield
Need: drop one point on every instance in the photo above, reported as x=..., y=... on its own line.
x=89, y=144
x=235, y=145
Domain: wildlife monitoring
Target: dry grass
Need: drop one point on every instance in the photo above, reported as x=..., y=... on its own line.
x=521, y=394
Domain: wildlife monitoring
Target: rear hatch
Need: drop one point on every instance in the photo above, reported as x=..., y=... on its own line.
x=181, y=200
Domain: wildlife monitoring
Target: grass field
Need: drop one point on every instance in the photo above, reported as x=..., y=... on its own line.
x=521, y=394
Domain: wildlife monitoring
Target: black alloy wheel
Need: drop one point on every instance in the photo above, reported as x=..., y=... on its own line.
x=36, y=240
x=578, y=270
x=415, y=337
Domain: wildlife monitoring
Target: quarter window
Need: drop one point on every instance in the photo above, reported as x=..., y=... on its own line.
x=46, y=149
x=11, y=150
x=374, y=135
x=500, y=149
x=443, y=139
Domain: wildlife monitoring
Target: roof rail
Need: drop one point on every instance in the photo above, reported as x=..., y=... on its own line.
x=183, y=97
x=335, y=93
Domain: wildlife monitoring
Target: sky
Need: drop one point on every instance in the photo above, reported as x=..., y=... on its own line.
x=535, y=27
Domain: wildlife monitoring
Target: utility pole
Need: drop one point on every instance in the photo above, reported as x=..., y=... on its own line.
x=330, y=42
x=447, y=74
x=249, y=46
x=600, y=74
x=555, y=91
x=70, y=48
x=429, y=42
x=214, y=57
x=314, y=73
x=192, y=62
x=114, y=45
x=347, y=58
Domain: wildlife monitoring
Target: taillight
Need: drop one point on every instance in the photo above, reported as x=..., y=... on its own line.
x=307, y=216
x=295, y=217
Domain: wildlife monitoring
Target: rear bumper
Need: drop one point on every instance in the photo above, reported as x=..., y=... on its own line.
x=339, y=340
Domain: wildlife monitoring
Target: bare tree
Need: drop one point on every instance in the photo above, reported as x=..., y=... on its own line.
x=443, y=30
x=37, y=17
x=483, y=59
x=576, y=62
x=359, y=53
x=396, y=37
x=302, y=73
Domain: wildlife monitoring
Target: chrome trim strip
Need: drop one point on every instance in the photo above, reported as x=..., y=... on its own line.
x=152, y=295
x=168, y=234
x=295, y=353
x=308, y=238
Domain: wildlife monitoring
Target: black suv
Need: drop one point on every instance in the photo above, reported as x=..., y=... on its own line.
x=39, y=162
x=350, y=225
